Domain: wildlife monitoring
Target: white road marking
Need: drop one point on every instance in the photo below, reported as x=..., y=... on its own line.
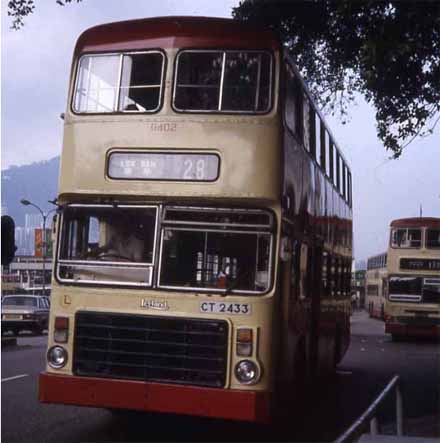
x=344, y=372
x=15, y=377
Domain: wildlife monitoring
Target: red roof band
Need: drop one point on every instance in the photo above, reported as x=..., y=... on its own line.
x=176, y=32
x=416, y=222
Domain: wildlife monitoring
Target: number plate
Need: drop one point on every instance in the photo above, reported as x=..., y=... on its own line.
x=213, y=307
x=163, y=166
x=12, y=317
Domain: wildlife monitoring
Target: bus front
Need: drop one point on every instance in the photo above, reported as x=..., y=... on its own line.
x=413, y=304
x=166, y=237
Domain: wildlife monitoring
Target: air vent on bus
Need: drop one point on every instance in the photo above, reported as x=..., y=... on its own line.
x=432, y=281
x=405, y=297
x=240, y=218
x=153, y=348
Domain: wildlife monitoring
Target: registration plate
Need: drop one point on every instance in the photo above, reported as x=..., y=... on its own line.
x=213, y=307
x=12, y=317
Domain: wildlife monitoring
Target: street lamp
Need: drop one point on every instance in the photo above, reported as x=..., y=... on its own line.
x=44, y=215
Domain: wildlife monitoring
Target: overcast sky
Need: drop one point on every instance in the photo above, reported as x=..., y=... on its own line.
x=35, y=65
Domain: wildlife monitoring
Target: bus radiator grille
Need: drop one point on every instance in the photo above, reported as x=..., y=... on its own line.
x=151, y=348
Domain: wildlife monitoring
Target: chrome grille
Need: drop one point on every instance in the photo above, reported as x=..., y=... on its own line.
x=153, y=348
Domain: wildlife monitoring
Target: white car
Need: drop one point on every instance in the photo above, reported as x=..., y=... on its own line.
x=25, y=313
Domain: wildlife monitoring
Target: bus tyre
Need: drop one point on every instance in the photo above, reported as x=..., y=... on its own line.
x=338, y=348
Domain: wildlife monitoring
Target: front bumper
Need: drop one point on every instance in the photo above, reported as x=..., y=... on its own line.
x=412, y=330
x=251, y=406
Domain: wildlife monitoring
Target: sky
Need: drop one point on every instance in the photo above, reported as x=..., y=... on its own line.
x=35, y=66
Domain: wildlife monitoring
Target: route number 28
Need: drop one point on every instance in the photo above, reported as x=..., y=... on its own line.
x=194, y=169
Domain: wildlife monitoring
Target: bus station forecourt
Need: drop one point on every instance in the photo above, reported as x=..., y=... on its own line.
x=203, y=242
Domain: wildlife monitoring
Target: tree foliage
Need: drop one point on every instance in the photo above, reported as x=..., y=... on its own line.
x=387, y=51
x=20, y=9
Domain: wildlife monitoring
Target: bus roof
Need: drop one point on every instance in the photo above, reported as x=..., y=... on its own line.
x=416, y=222
x=175, y=32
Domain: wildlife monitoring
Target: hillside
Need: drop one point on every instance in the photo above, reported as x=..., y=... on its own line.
x=37, y=182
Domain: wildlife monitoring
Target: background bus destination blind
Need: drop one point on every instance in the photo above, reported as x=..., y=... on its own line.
x=163, y=166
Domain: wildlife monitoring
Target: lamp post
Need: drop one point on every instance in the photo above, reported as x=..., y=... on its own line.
x=44, y=215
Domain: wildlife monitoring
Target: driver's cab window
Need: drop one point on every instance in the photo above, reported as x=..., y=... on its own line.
x=103, y=234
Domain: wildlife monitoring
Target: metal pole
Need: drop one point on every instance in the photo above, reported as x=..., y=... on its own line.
x=44, y=254
x=374, y=428
x=399, y=411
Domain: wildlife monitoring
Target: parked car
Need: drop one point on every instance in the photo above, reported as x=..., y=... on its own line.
x=25, y=313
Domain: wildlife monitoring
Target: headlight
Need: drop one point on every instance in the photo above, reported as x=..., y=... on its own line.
x=57, y=357
x=246, y=372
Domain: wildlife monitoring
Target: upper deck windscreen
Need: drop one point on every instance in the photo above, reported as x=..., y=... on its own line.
x=221, y=66
x=127, y=82
x=223, y=81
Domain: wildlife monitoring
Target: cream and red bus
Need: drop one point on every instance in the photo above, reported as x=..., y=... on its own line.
x=376, y=285
x=204, y=234
x=413, y=304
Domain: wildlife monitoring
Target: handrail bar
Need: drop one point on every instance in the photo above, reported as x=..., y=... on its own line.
x=354, y=430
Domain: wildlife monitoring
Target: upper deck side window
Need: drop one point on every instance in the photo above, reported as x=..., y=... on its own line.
x=406, y=238
x=433, y=238
x=223, y=81
x=127, y=82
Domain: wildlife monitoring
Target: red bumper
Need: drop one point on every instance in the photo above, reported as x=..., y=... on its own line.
x=412, y=331
x=155, y=397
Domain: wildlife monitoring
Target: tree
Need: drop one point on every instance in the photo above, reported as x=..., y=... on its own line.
x=20, y=9
x=387, y=51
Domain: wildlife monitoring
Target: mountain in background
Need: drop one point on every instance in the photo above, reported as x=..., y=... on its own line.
x=37, y=182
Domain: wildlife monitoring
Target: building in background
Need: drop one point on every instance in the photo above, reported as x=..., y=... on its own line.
x=25, y=237
x=25, y=273
x=358, y=288
x=24, y=240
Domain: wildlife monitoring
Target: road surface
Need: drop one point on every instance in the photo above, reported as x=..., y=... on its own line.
x=370, y=363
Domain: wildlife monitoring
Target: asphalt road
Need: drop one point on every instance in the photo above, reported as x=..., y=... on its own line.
x=369, y=364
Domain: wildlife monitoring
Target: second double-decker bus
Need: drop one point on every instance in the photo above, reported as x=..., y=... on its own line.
x=413, y=304
x=376, y=285
x=204, y=235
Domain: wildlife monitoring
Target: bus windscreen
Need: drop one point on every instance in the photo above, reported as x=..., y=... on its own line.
x=107, y=244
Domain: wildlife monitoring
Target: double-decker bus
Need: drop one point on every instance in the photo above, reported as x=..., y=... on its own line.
x=376, y=285
x=204, y=233
x=413, y=304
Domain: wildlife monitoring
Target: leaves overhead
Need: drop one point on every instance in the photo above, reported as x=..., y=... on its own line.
x=387, y=51
x=20, y=9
